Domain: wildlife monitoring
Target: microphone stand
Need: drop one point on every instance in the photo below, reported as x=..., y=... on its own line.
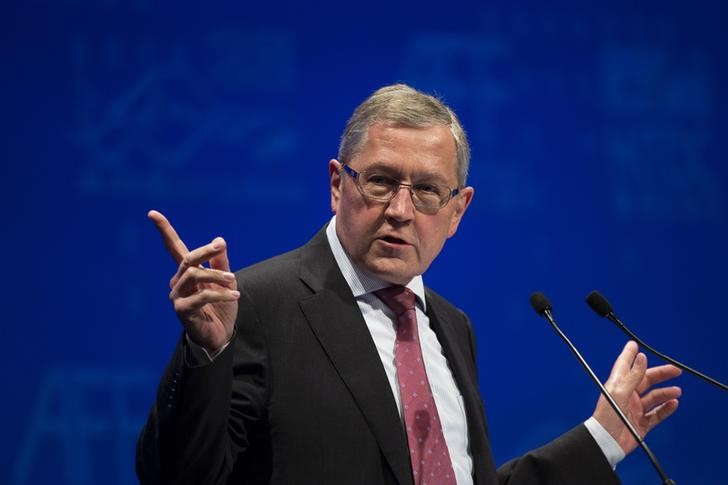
x=601, y=306
x=546, y=313
x=613, y=318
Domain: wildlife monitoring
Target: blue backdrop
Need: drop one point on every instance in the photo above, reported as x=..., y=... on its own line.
x=599, y=145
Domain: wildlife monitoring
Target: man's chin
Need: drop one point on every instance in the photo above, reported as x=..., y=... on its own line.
x=394, y=271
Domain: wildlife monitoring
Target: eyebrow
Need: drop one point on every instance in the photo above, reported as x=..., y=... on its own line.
x=381, y=166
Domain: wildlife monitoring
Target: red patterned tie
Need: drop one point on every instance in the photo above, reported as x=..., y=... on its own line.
x=429, y=456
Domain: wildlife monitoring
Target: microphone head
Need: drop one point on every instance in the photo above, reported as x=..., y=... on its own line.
x=540, y=303
x=599, y=304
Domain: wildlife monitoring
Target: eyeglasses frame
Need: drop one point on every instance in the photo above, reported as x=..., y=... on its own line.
x=355, y=175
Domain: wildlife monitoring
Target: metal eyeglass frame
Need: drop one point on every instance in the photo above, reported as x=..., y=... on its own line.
x=443, y=202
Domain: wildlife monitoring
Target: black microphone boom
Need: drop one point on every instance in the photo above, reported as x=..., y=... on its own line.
x=542, y=305
x=601, y=307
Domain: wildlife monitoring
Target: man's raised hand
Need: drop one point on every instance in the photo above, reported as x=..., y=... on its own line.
x=631, y=384
x=205, y=298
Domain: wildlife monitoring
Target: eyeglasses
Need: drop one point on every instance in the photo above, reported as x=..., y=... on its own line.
x=427, y=197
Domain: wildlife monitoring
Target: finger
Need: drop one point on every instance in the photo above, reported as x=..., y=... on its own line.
x=657, y=375
x=636, y=374
x=624, y=386
x=220, y=261
x=171, y=239
x=194, y=302
x=661, y=413
x=181, y=269
x=194, y=278
x=205, y=253
x=195, y=258
x=624, y=361
x=657, y=397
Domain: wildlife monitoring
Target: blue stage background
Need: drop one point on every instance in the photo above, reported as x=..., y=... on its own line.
x=599, y=143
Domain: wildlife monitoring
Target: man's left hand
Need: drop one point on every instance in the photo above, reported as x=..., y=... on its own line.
x=631, y=384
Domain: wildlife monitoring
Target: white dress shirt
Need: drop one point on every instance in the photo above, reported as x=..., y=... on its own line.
x=381, y=322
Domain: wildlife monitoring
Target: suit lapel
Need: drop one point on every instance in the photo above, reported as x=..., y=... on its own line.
x=335, y=319
x=456, y=351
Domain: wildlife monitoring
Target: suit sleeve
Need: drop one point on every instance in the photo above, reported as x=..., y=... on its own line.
x=206, y=419
x=574, y=458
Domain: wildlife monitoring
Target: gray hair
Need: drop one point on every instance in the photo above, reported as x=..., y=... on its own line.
x=403, y=105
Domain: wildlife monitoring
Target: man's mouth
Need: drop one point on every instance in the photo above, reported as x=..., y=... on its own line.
x=393, y=240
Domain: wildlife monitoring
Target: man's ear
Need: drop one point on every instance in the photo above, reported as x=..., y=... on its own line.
x=461, y=205
x=335, y=181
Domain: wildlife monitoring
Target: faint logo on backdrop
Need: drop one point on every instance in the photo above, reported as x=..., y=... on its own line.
x=83, y=426
x=187, y=119
x=465, y=66
x=487, y=80
x=658, y=111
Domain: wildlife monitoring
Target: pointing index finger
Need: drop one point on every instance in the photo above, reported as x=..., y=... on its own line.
x=171, y=239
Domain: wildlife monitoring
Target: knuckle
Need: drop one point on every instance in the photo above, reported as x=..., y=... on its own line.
x=178, y=306
x=197, y=271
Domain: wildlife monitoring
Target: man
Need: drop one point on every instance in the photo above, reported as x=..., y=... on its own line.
x=334, y=364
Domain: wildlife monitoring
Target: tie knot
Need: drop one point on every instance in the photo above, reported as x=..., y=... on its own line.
x=398, y=298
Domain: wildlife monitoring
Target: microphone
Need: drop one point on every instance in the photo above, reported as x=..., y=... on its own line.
x=543, y=307
x=601, y=307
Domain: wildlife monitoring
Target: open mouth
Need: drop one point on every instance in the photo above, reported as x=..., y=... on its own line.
x=393, y=240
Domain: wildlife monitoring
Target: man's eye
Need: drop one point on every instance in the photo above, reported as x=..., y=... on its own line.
x=380, y=180
x=429, y=189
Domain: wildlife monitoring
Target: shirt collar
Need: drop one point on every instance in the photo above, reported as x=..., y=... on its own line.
x=360, y=282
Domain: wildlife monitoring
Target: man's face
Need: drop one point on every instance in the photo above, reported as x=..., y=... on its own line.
x=393, y=240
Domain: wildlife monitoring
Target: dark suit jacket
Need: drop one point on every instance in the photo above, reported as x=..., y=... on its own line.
x=301, y=397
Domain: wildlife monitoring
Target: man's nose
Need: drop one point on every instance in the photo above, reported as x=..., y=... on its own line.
x=401, y=207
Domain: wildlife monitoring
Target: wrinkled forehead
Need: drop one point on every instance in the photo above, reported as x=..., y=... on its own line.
x=432, y=142
x=419, y=174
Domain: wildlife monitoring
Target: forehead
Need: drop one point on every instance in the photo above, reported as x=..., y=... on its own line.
x=429, y=149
